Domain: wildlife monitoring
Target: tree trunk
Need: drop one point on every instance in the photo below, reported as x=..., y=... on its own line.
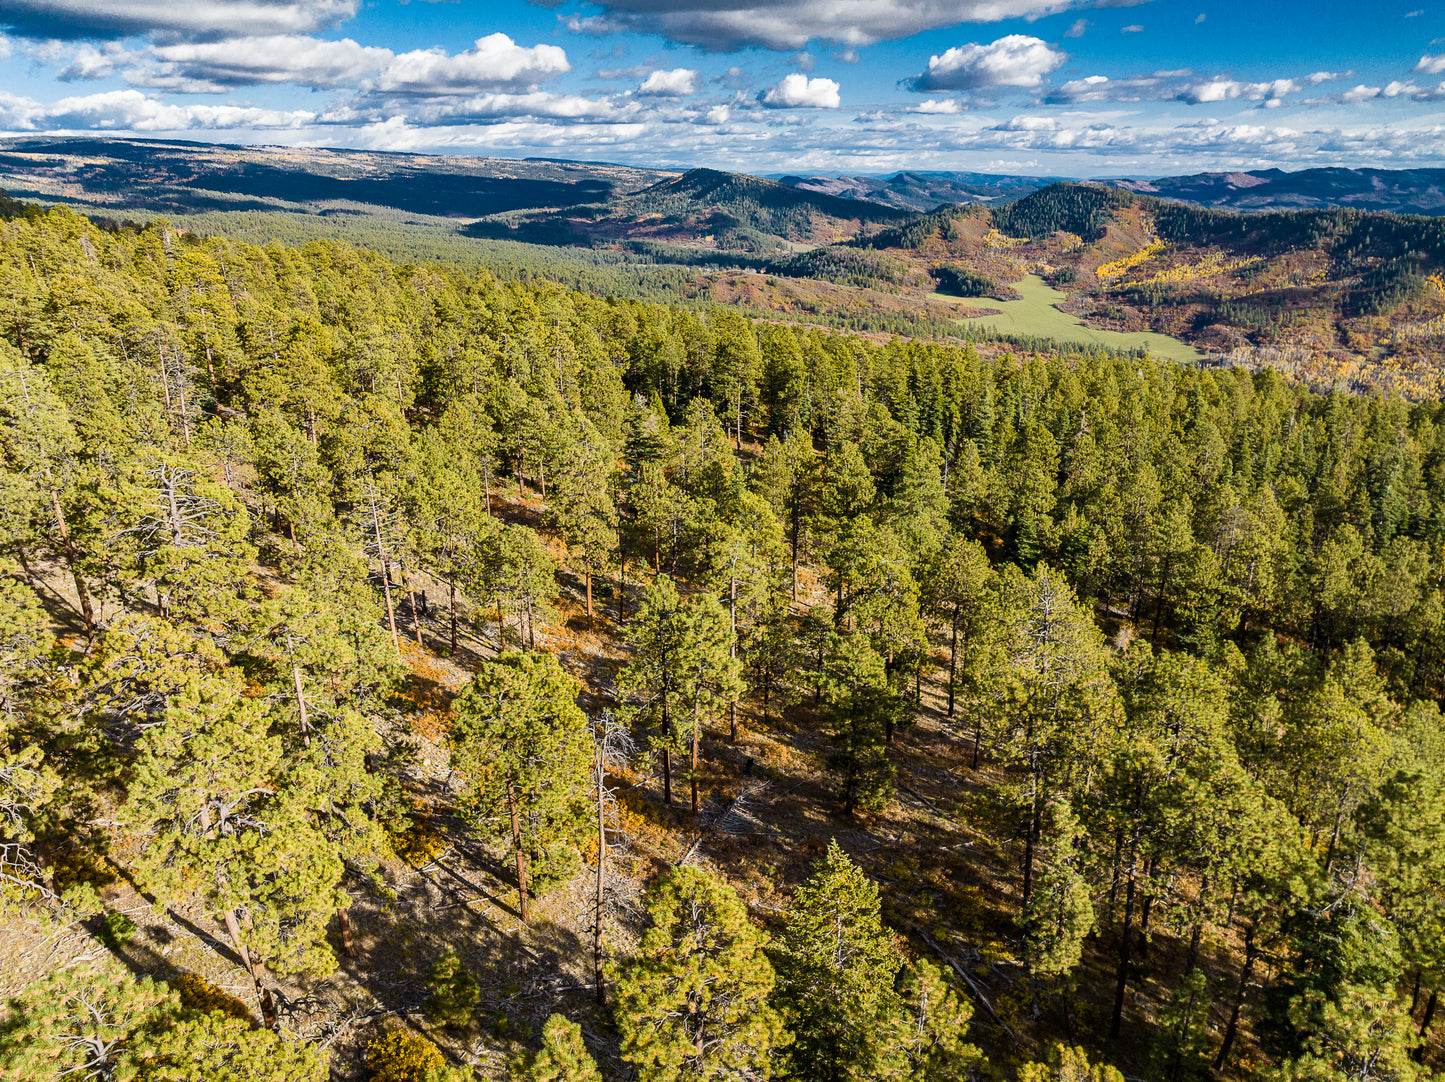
x=263, y=994
x=1117, y=1021
x=1032, y=832
x=601, y=866
x=452, y=606
x=300, y=695
x=1244, y=974
x=87, y=609
x=348, y=942
x=733, y=653
x=385, y=574
x=591, y=626
x=1198, y=932
x=415, y=613
x=1425, y=1023
x=952, y=658
x=696, y=739
x=517, y=850
x=666, y=778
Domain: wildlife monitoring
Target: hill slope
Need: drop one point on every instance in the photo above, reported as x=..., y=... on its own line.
x=178, y=177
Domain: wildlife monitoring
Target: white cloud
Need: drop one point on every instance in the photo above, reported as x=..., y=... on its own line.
x=1013, y=60
x=491, y=105
x=1172, y=86
x=726, y=25
x=131, y=110
x=1431, y=65
x=937, y=107
x=495, y=61
x=166, y=19
x=5, y=49
x=676, y=83
x=1318, y=77
x=1200, y=18
x=718, y=114
x=291, y=58
x=1133, y=28
x=1360, y=93
x=1220, y=89
x=1077, y=28
x=797, y=91
x=92, y=63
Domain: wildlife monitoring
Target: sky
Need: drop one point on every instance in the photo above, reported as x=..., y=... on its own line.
x=1036, y=87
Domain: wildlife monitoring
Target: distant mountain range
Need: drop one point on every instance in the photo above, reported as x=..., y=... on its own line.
x=1403, y=191
x=923, y=190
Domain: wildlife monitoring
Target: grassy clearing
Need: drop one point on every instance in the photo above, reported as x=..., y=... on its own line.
x=1036, y=313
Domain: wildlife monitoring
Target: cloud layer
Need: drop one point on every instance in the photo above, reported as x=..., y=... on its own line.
x=193, y=19
x=728, y=25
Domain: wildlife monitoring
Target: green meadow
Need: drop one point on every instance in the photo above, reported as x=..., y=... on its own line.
x=1037, y=313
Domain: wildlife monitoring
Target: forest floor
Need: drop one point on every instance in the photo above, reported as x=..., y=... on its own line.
x=949, y=885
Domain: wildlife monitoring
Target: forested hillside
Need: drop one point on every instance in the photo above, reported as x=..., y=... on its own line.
x=407, y=674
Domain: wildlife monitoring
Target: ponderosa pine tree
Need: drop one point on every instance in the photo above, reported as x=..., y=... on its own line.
x=926, y=1041
x=223, y=812
x=862, y=707
x=692, y=1001
x=582, y=506
x=524, y=747
x=103, y=1021
x=562, y=1058
x=836, y=966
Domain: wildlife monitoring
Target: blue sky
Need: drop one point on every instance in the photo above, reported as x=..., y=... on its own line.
x=1107, y=88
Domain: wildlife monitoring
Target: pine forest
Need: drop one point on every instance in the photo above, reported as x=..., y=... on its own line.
x=415, y=675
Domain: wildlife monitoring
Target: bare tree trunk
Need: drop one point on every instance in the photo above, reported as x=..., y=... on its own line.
x=348, y=941
x=87, y=609
x=300, y=695
x=415, y=612
x=733, y=653
x=452, y=605
x=385, y=573
x=601, y=867
x=952, y=658
x=1122, y=980
x=591, y=625
x=696, y=736
x=517, y=849
x=1250, y=954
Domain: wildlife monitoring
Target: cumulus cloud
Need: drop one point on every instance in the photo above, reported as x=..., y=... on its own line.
x=728, y=25
x=1077, y=28
x=1133, y=28
x=797, y=91
x=198, y=67
x=168, y=20
x=1013, y=60
x=495, y=61
x=1431, y=65
x=937, y=107
x=677, y=83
